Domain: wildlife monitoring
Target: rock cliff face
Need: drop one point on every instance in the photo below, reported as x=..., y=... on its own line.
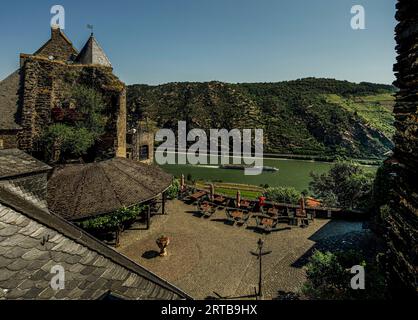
x=403, y=218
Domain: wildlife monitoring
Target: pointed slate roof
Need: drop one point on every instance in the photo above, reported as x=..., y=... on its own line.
x=92, y=53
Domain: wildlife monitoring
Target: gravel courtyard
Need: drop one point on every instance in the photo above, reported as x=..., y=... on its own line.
x=208, y=256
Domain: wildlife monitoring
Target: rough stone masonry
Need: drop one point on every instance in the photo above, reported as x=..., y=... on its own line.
x=403, y=220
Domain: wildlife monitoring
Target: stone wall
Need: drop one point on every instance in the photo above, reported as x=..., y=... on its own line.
x=402, y=228
x=143, y=137
x=8, y=140
x=121, y=125
x=45, y=86
x=58, y=47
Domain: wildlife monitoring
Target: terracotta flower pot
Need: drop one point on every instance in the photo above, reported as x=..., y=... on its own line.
x=163, y=243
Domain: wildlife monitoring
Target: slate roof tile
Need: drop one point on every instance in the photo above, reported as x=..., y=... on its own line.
x=17, y=264
x=14, y=162
x=26, y=284
x=17, y=293
x=35, y=265
x=33, y=292
x=89, y=258
x=40, y=232
x=35, y=254
x=29, y=229
x=13, y=252
x=91, y=269
x=5, y=274
x=7, y=232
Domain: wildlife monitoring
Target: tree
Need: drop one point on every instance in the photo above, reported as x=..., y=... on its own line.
x=329, y=277
x=283, y=194
x=80, y=128
x=346, y=185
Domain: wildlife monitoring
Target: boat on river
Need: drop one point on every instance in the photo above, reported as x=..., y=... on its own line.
x=245, y=167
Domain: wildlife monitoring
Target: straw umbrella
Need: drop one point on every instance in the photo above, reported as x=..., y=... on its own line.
x=182, y=183
x=302, y=205
x=212, y=192
x=238, y=199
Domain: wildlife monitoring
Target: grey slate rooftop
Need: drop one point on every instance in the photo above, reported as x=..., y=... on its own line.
x=14, y=162
x=9, y=100
x=32, y=241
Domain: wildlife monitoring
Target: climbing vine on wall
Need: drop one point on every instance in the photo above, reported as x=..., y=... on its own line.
x=112, y=221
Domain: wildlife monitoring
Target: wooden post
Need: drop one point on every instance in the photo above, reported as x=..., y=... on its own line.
x=329, y=214
x=118, y=232
x=163, y=205
x=148, y=217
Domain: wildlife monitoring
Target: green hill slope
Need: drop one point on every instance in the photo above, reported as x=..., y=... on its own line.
x=322, y=117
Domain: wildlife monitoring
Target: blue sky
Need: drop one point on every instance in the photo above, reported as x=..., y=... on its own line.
x=159, y=41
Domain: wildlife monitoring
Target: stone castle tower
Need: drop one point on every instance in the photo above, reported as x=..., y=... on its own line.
x=39, y=86
x=140, y=142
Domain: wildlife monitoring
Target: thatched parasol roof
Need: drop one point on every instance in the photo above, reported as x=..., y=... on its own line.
x=77, y=192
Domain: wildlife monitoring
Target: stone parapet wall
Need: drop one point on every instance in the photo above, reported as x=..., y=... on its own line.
x=8, y=140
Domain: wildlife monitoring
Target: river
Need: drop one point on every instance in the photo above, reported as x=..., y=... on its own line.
x=293, y=173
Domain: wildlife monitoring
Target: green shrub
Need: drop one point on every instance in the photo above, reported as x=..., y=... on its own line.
x=174, y=189
x=112, y=221
x=329, y=277
x=74, y=138
x=283, y=194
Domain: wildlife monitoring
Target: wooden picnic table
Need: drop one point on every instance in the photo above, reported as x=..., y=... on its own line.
x=237, y=214
x=267, y=222
x=198, y=195
x=219, y=199
x=301, y=214
x=245, y=204
x=273, y=211
x=205, y=206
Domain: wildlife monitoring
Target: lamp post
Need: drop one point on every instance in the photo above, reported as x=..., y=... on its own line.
x=260, y=255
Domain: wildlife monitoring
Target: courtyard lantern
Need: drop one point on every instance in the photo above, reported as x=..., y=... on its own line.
x=260, y=254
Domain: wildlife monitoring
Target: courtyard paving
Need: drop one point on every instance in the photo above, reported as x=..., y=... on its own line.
x=207, y=256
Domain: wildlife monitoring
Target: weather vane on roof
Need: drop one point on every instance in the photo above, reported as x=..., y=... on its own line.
x=91, y=27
